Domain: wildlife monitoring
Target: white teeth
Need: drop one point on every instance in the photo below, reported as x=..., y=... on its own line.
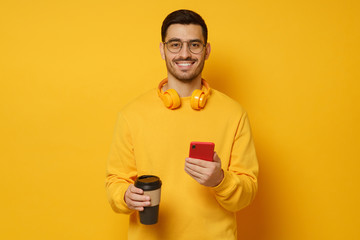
x=184, y=64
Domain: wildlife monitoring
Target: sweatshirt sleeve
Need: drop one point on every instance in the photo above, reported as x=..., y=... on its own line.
x=239, y=185
x=121, y=166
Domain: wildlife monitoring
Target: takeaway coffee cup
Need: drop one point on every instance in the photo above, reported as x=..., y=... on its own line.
x=152, y=187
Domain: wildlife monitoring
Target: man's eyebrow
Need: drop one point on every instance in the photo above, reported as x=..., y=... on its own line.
x=178, y=39
x=195, y=40
x=174, y=39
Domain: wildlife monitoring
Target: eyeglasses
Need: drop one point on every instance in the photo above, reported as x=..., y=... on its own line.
x=194, y=46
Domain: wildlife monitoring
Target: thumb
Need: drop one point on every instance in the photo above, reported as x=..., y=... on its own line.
x=216, y=158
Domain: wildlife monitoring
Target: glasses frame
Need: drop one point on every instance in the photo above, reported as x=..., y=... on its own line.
x=182, y=44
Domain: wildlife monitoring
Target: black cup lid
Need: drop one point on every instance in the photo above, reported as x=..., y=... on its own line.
x=148, y=182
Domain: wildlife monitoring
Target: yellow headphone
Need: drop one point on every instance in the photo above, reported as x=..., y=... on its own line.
x=172, y=100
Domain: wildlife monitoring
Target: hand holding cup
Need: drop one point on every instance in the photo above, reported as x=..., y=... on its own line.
x=135, y=198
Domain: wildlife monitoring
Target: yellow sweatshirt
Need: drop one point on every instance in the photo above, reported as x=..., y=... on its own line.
x=151, y=139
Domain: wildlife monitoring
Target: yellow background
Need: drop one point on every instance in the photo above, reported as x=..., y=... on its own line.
x=67, y=67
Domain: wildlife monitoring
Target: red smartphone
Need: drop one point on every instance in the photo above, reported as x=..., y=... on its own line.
x=202, y=150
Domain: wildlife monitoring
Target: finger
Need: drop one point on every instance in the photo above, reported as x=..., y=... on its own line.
x=138, y=197
x=194, y=174
x=195, y=168
x=198, y=162
x=206, y=167
x=216, y=158
x=134, y=189
x=136, y=194
x=139, y=203
x=140, y=209
x=136, y=205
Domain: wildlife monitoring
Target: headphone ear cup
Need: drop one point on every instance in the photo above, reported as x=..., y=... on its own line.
x=198, y=99
x=171, y=99
x=202, y=100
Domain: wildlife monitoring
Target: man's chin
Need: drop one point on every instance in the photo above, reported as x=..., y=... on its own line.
x=186, y=79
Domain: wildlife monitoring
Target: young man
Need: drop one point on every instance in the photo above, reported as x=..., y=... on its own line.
x=198, y=198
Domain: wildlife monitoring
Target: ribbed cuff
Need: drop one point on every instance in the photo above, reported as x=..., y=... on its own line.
x=119, y=200
x=226, y=185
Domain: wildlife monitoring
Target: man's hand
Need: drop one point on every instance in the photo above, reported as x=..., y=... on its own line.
x=204, y=172
x=135, y=198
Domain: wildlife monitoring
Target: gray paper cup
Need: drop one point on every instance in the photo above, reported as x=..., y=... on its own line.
x=152, y=187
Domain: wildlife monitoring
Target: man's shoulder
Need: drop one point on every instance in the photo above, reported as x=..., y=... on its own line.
x=144, y=101
x=224, y=101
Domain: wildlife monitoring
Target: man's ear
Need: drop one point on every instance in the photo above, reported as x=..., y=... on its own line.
x=207, y=51
x=162, y=50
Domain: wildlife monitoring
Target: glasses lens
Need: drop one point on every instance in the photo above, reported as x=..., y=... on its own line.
x=196, y=47
x=174, y=46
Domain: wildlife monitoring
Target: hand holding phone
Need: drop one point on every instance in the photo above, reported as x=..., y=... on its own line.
x=203, y=164
x=202, y=150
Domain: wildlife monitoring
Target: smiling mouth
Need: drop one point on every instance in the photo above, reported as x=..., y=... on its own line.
x=184, y=64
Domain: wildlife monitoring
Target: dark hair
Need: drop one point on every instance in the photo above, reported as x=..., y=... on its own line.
x=183, y=16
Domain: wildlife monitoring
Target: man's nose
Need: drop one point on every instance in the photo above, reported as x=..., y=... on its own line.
x=185, y=52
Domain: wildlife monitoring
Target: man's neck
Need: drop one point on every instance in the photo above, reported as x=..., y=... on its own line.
x=184, y=89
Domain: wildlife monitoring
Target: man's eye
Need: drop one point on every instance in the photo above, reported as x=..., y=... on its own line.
x=174, y=44
x=195, y=45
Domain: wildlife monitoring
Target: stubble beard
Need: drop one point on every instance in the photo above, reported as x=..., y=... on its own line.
x=185, y=77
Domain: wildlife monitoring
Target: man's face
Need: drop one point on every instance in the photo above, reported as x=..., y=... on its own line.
x=184, y=65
